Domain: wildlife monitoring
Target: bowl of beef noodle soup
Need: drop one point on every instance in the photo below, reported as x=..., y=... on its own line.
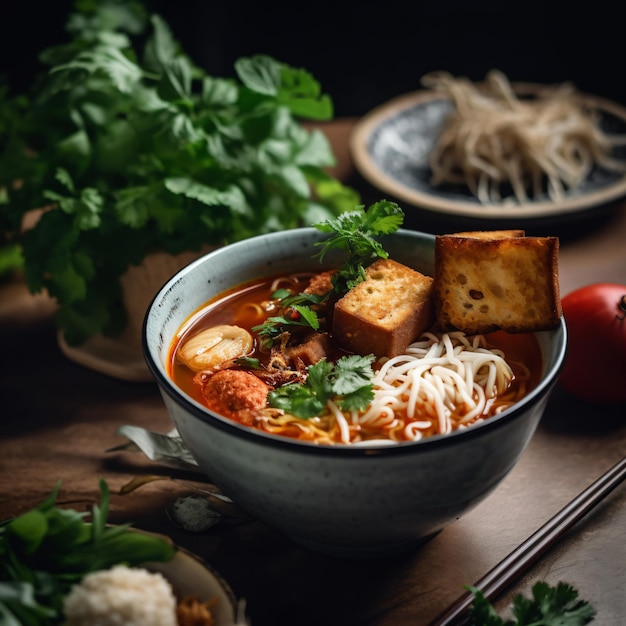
x=346, y=452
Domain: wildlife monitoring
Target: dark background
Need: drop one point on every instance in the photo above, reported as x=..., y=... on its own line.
x=366, y=53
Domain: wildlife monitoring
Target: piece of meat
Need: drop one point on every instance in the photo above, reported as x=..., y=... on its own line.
x=320, y=285
x=313, y=349
x=230, y=392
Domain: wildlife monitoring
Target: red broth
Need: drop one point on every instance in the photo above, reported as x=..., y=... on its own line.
x=244, y=306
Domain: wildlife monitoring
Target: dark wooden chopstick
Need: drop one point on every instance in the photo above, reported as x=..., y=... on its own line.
x=505, y=572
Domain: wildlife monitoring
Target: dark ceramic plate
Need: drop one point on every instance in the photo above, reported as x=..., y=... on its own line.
x=390, y=148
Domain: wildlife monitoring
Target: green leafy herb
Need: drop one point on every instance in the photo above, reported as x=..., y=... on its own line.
x=248, y=362
x=299, y=313
x=280, y=294
x=46, y=550
x=348, y=382
x=132, y=148
x=549, y=606
x=11, y=259
x=355, y=232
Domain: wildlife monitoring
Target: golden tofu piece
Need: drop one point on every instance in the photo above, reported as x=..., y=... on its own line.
x=386, y=312
x=496, y=281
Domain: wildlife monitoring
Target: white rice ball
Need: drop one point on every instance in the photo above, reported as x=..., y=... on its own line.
x=121, y=596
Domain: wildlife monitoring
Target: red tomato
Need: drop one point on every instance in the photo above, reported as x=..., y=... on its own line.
x=595, y=364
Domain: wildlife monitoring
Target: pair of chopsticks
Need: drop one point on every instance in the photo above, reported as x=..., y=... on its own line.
x=505, y=572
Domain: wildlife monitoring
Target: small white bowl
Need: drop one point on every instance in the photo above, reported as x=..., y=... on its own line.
x=356, y=501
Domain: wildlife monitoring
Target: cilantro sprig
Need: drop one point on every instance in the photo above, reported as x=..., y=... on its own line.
x=133, y=148
x=46, y=550
x=355, y=232
x=549, y=606
x=348, y=382
x=298, y=314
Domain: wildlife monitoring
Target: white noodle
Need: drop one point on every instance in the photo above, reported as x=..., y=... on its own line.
x=444, y=378
x=341, y=422
x=288, y=281
x=442, y=383
x=492, y=138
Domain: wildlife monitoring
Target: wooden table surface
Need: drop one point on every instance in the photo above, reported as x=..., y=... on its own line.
x=58, y=419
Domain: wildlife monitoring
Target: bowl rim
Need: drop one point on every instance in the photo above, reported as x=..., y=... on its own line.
x=232, y=427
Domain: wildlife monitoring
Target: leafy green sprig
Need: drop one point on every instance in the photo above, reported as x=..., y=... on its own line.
x=348, y=382
x=549, y=606
x=298, y=313
x=355, y=232
x=46, y=550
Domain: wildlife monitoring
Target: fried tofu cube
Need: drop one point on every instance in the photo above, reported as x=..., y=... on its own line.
x=498, y=280
x=386, y=312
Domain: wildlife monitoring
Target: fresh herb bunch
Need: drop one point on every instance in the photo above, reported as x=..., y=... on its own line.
x=132, y=148
x=48, y=549
x=348, y=383
x=549, y=606
x=355, y=232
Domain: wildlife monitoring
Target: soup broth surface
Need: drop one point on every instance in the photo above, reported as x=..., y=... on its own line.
x=403, y=418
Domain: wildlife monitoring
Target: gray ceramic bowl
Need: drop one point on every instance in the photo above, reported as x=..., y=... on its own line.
x=341, y=500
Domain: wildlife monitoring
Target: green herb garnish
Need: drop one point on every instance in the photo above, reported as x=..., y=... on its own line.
x=348, y=382
x=11, y=259
x=355, y=232
x=298, y=314
x=46, y=550
x=132, y=148
x=549, y=606
x=249, y=362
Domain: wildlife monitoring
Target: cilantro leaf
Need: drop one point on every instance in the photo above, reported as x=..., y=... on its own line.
x=301, y=315
x=296, y=400
x=351, y=381
x=548, y=606
x=108, y=60
x=294, y=88
x=280, y=294
x=275, y=325
x=305, y=400
x=319, y=379
x=557, y=605
x=308, y=316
